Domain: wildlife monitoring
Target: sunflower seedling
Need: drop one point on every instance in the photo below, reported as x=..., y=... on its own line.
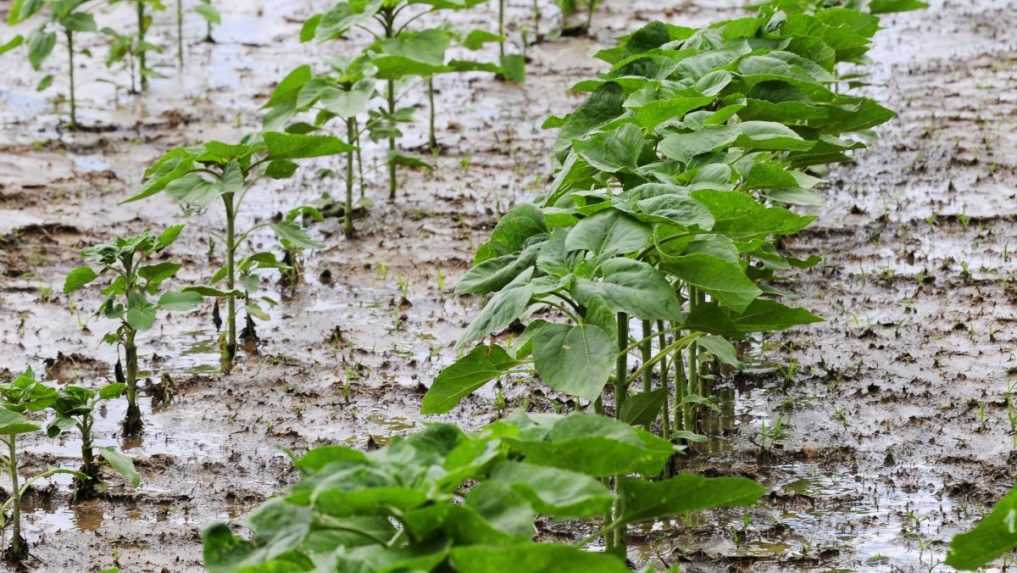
x=74, y=407
x=70, y=17
x=130, y=284
x=194, y=177
x=19, y=399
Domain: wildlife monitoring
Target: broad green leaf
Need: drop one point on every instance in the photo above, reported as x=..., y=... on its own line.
x=12, y=423
x=765, y=315
x=40, y=46
x=993, y=536
x=635, y=287
x=533, y=558
x=78, y=278
x=476, y=39
x=554, y=491
x=602, y=106
x=719, y=347
x=79, y=22
x=683, y=147
x=301, y=146
x=122, y=464
x=642, y=500
x=505, y=306
x=723, y=280
x=44, y=83
x=510, y=234
x=158, y=273
x=466, y=375
x=654, y=113
x=770, y=135
x=281, y=169
x=575, y=360
x=294, y=235
x=11, y=44
x=890, y=6
x=612, y=151
x=493, y=274
x=513, y=68
x=608, y=233
x=179, y=301
x=594, y=445
x=208, y=13
x=741, y=217
x=22, y=10
x=642, y=409
x=168, y=237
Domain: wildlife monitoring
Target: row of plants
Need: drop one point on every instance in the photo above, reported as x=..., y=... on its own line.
x=66, y=19
x=659, y=247
x=23, y=401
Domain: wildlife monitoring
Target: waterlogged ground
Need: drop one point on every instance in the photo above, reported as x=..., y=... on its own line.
x=895, y=430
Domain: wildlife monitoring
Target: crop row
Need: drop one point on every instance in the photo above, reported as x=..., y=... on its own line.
x=657, y=250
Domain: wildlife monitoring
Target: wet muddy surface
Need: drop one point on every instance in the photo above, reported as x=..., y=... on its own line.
x=893, y=414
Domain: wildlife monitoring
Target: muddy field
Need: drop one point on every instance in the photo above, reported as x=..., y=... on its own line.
x=896, y=427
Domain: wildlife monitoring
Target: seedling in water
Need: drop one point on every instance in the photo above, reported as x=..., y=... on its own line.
x=194, y=177
x=129, y=284
x=71, y=17
x=20, y=398
x=74, y=407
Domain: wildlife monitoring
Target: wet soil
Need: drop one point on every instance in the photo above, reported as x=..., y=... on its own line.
x=894, y=411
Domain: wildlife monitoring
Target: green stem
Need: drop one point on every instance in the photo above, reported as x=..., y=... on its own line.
x=694, y=382
x=621, y=363
x=360, y=161
x=388, y=16
x=348, y=220
x=431, y=139
x=180, y=33
x=231, y=303
x=646, y=349
x=501, y=28
x=132, y=420
x=141, y=44
x=17, y=542
x=591, y=8
x=665, y=418
x=70, y=74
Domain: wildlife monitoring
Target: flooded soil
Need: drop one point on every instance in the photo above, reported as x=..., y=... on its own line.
x=894, y=417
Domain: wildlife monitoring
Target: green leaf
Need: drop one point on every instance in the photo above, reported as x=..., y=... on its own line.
x=168, y=237
x=493, y=274
x=79, y=22
x=281, y=169
x=642, y=409
x=179, y=301
x=634, y=287
x=594, y=445
x=22, y=10
x=642, y=500
x=513, y=68
x=78, y=278
x=476, y=39
x=40, y=46
x=765, y=315
x=993, y=536
x=411, y=162
x=683, y=147
x=292, y=234
x=890, y=6
x=504, y=307
x=602, y=106
x=608, y=233
x=723, y=280
x=110, y=391
x=12, y=43
x=12, y=423
x=510, y=234
x=553, y=491
x=208, y=13
x=612, y=151
x=122, y=464
x=719, y=347
x=301, y=146
x=466, y=375
x=44, y=83
x=533, y=558
x=158, y=273
x=576, y=360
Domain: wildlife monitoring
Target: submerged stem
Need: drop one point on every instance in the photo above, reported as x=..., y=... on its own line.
x=141, y=44
x=431, y=139
x=348, y=219
x=70, y=75
x=501, y=28
x=180, y=33
x=231, y=302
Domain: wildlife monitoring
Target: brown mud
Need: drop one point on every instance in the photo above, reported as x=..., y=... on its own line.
x=895, y=427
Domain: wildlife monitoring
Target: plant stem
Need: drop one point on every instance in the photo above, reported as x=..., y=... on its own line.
x=141, y=44
x=621, y=363
x=646, y=349
x=19, y=548
x=665, y=418
x=132, y=420
x=591, y=8
x=431, y=139
x=70, y=74
x=694, y=383
x=360, y=160
x=390, y=32
x=351, y=129
x=501, y=28
x=180, y=33
x=231, y=303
